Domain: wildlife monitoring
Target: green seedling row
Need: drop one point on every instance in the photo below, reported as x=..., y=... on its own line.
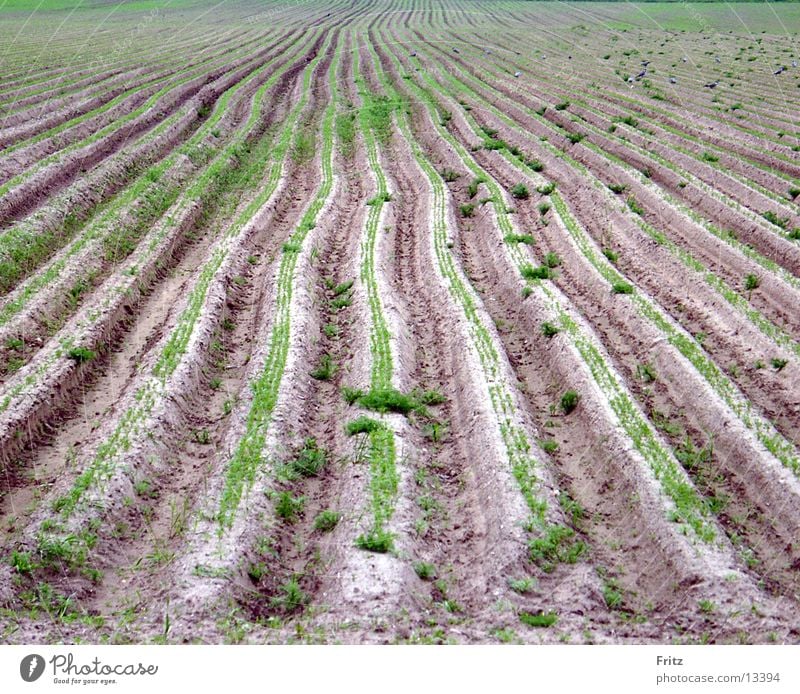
x=247, y=459
x=133, y=420
x=689, y=507
x=382, y=450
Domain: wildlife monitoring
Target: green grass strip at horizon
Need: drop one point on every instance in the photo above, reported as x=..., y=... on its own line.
x=375, y=120
x=690, y=507
x=518, y=448
x=241, y=469
x=193, y=73
x=110, y=216
x=134, y=419
x=730, y=295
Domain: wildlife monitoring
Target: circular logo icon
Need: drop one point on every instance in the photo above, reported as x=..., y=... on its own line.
x=31, y=667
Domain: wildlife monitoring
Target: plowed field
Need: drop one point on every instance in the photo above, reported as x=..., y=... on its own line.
x=399, y=321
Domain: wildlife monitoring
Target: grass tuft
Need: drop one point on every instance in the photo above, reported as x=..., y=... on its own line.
x=549, y=446
x=81, y=354
x=327, y=520
x=520, y=191
x=425, y=570
x=546, y=189
x=611, y=256
x=519, y=238
x=522, y=585
x=340, y=289
x=472, y=188
x=310, y=460
x=379, y=199
x=548, y=329
x=351, y=394
x=536, y=273
x=325, y=369
x=569, y=401
x=552, y=260
x=772, y=218
x=634, y=206
x=288, y=507
x=388, y=400
x=557, y=545
x=449, y=175
x=376, y=540
x=541, y=619
x=362, y=425
x=751, y=282
x=291, y=597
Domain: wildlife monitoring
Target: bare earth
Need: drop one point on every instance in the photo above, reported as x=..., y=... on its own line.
x=374, y=322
